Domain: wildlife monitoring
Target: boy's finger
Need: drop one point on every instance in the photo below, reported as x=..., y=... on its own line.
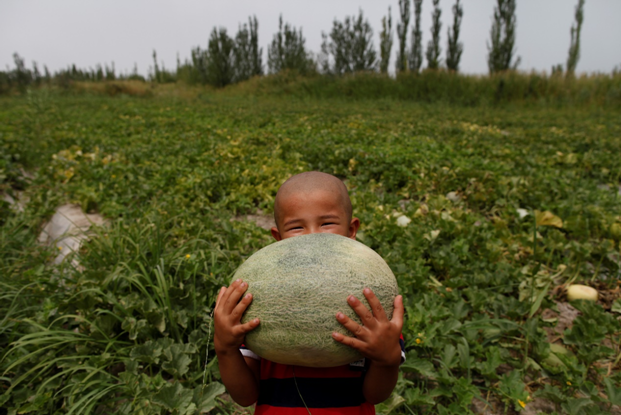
x=235, y=291
x=220, y=294
x=241, y=307
x=223, y=296
x=397, y=314
x=364, y=313
x=376, y=306
x=349, y=341
x=353, y=327
x=246, y=327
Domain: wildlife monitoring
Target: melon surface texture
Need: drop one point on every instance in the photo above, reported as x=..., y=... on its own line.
x=298, y=286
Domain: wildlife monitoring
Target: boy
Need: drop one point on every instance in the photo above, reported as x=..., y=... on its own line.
x=311, y=202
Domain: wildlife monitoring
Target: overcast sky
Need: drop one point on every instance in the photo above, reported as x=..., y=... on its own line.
x=57, y=33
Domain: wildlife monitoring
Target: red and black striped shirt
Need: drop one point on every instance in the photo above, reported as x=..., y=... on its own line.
x=325, y=391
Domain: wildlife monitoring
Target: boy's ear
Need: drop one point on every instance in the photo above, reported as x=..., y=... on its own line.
x=276, y=234
x=354, y=225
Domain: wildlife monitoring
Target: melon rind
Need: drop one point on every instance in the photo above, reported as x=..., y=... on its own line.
x=298, y=286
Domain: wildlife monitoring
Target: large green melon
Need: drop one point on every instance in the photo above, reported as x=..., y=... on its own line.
x=298, y=286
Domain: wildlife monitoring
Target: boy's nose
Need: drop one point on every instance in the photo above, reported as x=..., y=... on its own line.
x=312, y=229
x=318, y=229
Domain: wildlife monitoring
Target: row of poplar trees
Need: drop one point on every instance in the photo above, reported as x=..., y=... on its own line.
x=501, y=47
x=411, y=59
x=349, y=48
x=233, y=59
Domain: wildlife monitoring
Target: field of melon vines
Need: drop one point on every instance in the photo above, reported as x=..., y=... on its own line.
x=502, y=207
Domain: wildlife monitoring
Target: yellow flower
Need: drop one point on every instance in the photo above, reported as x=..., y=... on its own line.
x=568, y=383
x=522, y=404
x=60, y=248
x=187, y=256
x=418, y=341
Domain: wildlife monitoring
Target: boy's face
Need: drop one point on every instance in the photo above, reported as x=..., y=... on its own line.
x=314, y=212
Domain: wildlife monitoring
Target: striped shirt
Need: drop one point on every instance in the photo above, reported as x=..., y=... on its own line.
x=285, y=389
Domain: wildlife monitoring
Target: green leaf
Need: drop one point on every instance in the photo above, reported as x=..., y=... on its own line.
x=460, y=309
x=205, y=396
x=389, y=405
x=36, y=404
x=424, y=367
x=450, y=325
x=181, y=318
x=538, y=300
x=4, y=398
x=174, y=397
x=165, y=343
x=613, y=392
x=133, y=326
x=492, y=361
x=464, y=391
x=131, y=366
x=591, y=390
x=531, y=364
x=416, y=397
x=513, y=389
x=105, y=324
x=548, y=218
x=552, y=359
x=591, y=327
x=157, y=320
x=463, y=351
x=575, y=406
x=28, y=408
x=149, y=352
x=448, y=356
x=178, y=361
x=197, y=337
x=552, y=393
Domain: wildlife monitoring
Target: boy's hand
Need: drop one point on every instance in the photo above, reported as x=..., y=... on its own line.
x=229, y=332
x=378, y=338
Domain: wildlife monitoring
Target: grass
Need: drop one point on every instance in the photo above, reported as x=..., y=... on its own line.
x=447, y=88
x=129, y=330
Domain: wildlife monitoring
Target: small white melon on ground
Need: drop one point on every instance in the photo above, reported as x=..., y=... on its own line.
x=581, y=292
x=403, y=221
x=298, y=286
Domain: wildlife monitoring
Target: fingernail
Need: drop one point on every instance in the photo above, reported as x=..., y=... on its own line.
x=247, y=296
x=351, y=298
x=256, y=321
x=366, y=291
x=243, y=284
x=340, y=316
x=336, y=335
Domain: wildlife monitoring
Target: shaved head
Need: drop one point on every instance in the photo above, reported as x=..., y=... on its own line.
x=310, y=182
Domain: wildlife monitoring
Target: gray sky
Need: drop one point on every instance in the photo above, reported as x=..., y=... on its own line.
x=57, y=33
